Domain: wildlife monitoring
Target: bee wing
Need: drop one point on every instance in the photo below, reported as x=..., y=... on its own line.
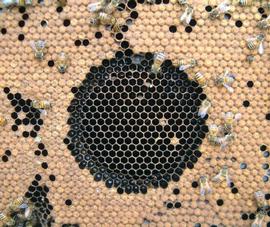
x=33, y=46
x=261, y=49
x=183, y=17
x=230, y=89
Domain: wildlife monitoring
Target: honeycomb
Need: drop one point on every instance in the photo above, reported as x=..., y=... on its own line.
x=132, y=127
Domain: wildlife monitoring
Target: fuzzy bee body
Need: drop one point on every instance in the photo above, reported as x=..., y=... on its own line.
x=245, y=2
x=62, y=62
x=187, y=15
x=14, y=3
x=42, y=105
x=158, y=60
x=204, y=186
x=200, y=79
x=187, y=64
x=222, y=8
x=38, y=48
x=226, y=80
x=3, y=121
x=205, y=106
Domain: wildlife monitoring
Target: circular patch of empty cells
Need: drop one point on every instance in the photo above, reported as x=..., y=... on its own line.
x=135, y=129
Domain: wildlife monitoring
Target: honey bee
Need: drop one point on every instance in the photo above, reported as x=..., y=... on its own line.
x=250, y=59
x=111, y=7
x=96, y=6
x=15, y=205
x=62, y=3
x=42, y=106
x=183, y=2
x=223, y=175
x=229, y=119
x=256, y=43
x=264, y=23
x=214, y=132
x=62, y=62
x=158, y=60
x=245, y=2
x=6, y=220
x=14, y=3
x=260, y=199
x=187, y=15
x=38, y=48
x=205, y=106
x=187, y=64
x=259, y=219
x=225, y=80
x=222, y=8
x=200, y=79
x=3, y=121
x=204, y=186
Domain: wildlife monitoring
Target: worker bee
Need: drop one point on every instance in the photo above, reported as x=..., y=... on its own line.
x=204, y=186
x=183, y=2
x=187, y=15
x=187, y=64
x=62, y=3
x=259, y=219
x=14, y=3
x=6, y=220
x=15, y=205
x=222, y=8
x=245, y=2
x=62, y=62
x=250, y=59
x=200, y=79
x=260, y=199
x=45, y=105
x=229, y=119
x=38, y=48
x=158, y=60
x=256, y=43
x=3, y=121
x=225, y=80
x=213, y=134
x=225, y=141
x=111, y=7
x=223, y=175
x=264, y=23
x=205, y=106
x=96, y=6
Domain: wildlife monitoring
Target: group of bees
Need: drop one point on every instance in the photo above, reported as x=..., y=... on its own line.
x=20, y=213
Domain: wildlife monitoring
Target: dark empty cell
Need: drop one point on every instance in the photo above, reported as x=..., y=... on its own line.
x=119, y=36
x=21, y=37
x=177, y=204
x=21, y=23
x=172, y=28
x=166, y=1
x=252, y=216
x=244, y=216
x=238, y=23
x=52, y=178
x=85, y=42
x=246, y=103
x=121, y=7
x=176, y=191
x=261, y=10
x=140, y=1
x=250, y=83
x=37, y=152
x=6, y=90
x=192, y=22
x=131, y=4
x=44, y=153
x=40, y=122
x=22, y=9
x=10, y=96
x=124, y=44
x=3, y=31
x=25, y=134
x=157, y=2
x=68, y=202
x=263, y=147
x=234, y=190
x=41, y=146
x=134, y=14
x=227, y=16
x=264, y=16
x=59, y=9
x=208, y=8
x=38, y=177
x=18, y=121
x=44, y=165
x=25, y=16
x=51, y=63
x=169, y=205
x=188, y=29
x=4, y=158
x=267, y=116
x=66, y=22
x=194, y=184
x=219, y=202
x=77, y=42
x=8, y=152
x=98, y=35
x=26, y=121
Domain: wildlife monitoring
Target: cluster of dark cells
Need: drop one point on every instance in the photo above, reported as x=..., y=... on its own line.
x=24, y=115
x=133, y=128
x=37, y=194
